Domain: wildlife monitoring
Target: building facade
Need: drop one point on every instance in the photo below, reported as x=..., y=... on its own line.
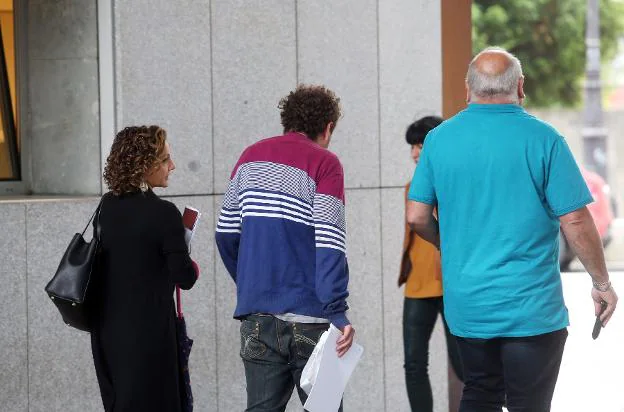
x=211, y=72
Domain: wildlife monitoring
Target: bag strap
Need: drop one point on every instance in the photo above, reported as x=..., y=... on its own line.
x=98, y=229
x=179, y=302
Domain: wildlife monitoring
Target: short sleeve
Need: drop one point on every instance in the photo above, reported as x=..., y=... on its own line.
x=566, y=190
x=422, y=188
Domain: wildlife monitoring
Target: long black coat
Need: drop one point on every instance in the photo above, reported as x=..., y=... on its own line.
x=133, y=340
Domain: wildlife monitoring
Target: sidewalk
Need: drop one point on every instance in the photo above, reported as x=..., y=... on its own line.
x=592, y=372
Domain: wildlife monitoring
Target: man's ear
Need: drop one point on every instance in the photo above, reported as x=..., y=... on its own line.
x=329, y=129
x=467, y=92
x=521, y=94
x=326, y=135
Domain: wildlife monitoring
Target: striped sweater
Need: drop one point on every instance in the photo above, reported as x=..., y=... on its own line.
x=281, y=230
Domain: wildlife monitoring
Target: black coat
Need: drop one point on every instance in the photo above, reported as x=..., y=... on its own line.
x=143, y=255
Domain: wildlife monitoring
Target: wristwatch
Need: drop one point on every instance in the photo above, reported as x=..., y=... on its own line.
x=602, y=286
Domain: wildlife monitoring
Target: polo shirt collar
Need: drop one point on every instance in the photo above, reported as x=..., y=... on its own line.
x=495, y=108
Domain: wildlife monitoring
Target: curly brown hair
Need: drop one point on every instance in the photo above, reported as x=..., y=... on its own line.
x=308, y=109
x=135, y=150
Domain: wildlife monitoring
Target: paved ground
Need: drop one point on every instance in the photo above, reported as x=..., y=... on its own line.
x=592, y=372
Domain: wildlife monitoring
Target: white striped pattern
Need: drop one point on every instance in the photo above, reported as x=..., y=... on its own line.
x=329, y=209
x=273, y=190
x=221, y=230
x=230, y=199
x=274, y=198
x=329, y=221
x=230, y=216
x=330, y=246
x=276, y=177
x=275, y=205
x=229, y=221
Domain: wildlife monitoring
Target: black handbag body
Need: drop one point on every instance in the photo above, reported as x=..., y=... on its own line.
x=68, y=289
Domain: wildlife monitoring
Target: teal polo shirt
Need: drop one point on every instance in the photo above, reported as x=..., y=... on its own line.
x=501, y=179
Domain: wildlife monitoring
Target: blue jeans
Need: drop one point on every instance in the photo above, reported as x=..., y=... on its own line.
x=521, y=372
x=419, y=318
x=274, y=353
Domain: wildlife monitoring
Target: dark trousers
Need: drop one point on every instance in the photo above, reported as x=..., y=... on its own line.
x=518, y=372
x=274, y=353
x=419, y=318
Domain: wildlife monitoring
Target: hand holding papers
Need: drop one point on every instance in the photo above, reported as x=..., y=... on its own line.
x=325, y=376
x=190, y=218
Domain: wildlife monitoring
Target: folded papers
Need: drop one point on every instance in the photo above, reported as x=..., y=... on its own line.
x=325, y=375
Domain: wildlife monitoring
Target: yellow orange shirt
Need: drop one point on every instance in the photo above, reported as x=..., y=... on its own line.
x=425, y=278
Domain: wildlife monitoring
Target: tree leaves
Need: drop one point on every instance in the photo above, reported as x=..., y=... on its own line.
x=548, y=36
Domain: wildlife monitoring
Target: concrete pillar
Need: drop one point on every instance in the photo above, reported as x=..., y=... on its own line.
x=456, y=55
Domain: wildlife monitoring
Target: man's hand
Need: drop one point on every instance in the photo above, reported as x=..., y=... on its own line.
x=345, y=341
x=582, y=236
x=610, y=297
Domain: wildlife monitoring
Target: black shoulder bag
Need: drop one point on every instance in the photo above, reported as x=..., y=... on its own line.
x=68, y=289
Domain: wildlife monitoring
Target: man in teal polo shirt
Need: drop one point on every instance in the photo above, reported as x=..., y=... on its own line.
x=504, y=183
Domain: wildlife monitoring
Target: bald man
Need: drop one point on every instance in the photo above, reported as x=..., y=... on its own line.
x=504, y=183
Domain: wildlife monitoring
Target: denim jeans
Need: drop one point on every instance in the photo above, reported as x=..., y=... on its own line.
x=521, y=372
x=419, y=318
x=274, y=353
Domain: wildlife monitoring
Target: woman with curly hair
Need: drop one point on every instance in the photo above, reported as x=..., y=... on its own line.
x=143, y=255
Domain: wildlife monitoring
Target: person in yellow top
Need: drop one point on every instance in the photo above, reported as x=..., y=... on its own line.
x=421, y=273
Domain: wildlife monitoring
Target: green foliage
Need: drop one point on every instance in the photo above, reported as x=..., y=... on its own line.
x=548, y=36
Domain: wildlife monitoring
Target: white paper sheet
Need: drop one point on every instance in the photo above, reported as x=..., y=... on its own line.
x=333, y=375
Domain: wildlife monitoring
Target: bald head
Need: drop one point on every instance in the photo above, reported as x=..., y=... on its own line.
x=492, y=62
x=494, y=74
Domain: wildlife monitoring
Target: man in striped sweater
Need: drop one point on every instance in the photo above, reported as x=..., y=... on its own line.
x=281, y=236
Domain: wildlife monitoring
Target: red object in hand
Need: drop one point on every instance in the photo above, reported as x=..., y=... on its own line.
x=196, y=267
x=190, y=218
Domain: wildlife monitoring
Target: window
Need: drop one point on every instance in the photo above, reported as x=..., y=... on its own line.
x=10, y=168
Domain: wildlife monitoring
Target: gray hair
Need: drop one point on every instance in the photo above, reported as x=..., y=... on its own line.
x=503, y=85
